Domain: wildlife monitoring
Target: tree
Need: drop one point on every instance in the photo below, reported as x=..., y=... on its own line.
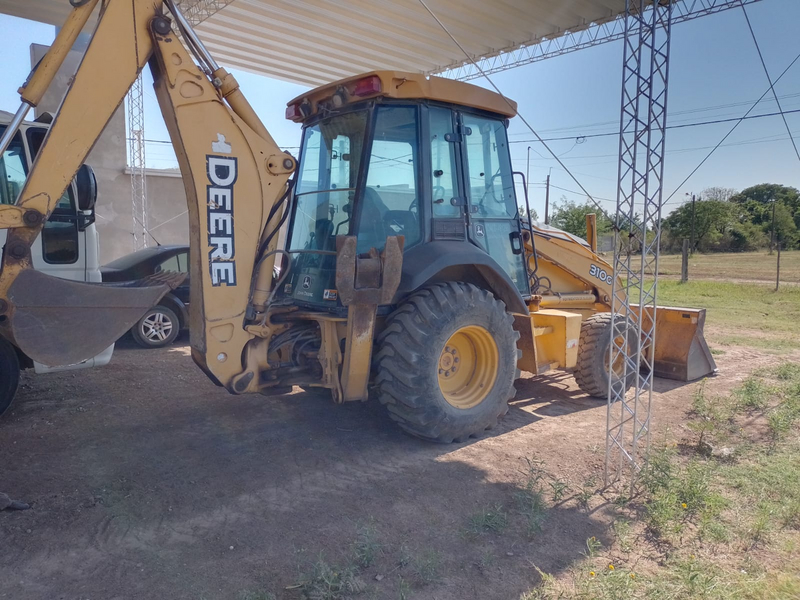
x=571, y=217
x=755, y=205
x=785, y=228
x=712, y=220
x=722, y=194
x=766, y=193
x=524, y=213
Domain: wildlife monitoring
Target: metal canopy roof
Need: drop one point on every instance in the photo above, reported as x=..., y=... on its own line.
x=312, y=42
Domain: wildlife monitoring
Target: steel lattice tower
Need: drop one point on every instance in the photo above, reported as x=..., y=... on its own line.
x=196, y=12
x=136, y=147
x=643, y=119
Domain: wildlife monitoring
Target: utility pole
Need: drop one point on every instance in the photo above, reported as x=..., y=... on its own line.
x=772, y=235
x=691, y=248
x=547, y=202
x=685, y=261
x=528, y=173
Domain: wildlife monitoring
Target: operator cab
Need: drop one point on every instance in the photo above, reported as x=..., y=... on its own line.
x=398, y=154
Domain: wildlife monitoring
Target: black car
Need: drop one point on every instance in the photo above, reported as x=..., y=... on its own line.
x=161, y=325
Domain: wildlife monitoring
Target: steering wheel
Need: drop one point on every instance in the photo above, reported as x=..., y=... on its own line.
x=490, y=190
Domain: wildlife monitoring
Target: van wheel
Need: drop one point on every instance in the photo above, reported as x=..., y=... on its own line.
x=157, y=328
x=9, y=375
x=447, y=362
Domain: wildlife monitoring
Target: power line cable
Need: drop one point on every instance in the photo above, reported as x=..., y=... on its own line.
x=671, y=115
x=772, y=139
x=732, y=129
x=680, y=126
x=511, y=105
x=769, y=79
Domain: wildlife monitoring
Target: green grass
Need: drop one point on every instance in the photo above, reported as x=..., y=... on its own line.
x=746, y=266
x=427, y=566
x=704, y=527
x=743, y=314
x=492, y=519
x=366, y=548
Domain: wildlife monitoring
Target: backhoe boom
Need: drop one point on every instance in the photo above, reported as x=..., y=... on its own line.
x=233, y=173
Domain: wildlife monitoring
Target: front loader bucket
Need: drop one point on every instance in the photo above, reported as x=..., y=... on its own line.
x=681, y=351
x=58, y=322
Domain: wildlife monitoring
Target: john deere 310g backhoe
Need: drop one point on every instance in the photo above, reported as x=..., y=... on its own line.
x=406, y=271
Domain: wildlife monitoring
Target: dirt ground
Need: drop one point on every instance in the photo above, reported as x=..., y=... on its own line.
x=149, y=482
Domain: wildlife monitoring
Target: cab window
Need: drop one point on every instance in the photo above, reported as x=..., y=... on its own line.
x=389, y=204
x=490, y=184
x=443, y=165
x=326, y=181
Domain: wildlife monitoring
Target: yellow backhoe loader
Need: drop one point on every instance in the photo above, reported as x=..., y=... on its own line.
x=406, y=272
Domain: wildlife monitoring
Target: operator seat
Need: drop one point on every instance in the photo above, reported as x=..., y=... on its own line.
x=372, y=230
x=402, y=222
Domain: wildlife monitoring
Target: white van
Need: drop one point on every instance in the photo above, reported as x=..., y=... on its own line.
x=68, y=246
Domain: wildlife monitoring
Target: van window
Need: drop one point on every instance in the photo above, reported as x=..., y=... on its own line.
x=60, y=233
x=13, y=171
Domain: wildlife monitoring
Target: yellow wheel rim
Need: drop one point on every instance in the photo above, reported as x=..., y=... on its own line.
x=618, y=366
x=468, y=367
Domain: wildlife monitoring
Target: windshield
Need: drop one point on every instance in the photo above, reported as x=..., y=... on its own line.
x=326, y=182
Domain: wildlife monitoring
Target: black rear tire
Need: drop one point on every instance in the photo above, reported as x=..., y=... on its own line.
x=591, y=371
x=157, y=328
x=409, y=362
x=9, y=375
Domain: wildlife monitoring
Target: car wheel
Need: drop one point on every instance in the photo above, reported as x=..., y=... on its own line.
x=157, y=328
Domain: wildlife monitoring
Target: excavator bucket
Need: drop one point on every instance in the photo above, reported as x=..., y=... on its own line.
x=681, y=351
x=58, y=322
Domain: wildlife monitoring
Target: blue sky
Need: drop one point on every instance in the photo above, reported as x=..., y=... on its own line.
x=715, y=74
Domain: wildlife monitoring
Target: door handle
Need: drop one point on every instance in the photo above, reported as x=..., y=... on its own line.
x=516, y=242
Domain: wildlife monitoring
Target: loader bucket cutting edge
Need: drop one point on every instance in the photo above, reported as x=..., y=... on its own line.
x=59, y=322
x=681, y=351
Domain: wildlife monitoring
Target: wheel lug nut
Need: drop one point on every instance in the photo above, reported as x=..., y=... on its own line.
x=455, y=359
x=441, y=371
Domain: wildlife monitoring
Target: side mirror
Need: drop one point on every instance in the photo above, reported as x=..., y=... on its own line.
x=86, y=183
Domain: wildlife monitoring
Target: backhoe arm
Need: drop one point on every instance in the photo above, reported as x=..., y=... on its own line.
x=234, y=175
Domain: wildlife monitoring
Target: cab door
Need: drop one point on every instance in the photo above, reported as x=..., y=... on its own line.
x=491, y=204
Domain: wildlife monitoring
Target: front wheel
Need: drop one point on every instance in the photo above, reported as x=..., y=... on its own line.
x=9, y=375
x=447, y=362
x=157, y=328
x=592, y=370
